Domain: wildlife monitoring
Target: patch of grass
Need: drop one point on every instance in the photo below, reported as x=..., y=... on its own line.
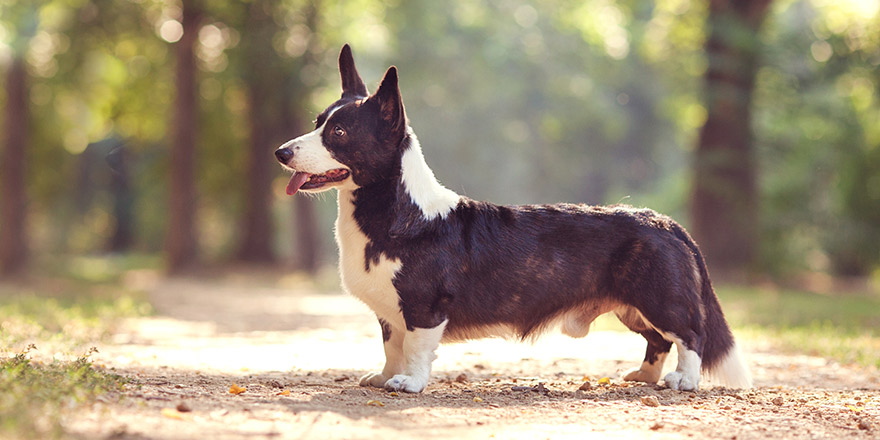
x=64, y=322
x=68, y=307
x=844, y=327
x=71, y=305
x=35, y=396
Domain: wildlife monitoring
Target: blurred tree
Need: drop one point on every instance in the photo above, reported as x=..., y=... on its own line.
x=264, y=79
x=119, y=160
x=725, y=199
x=13, y=247
x=816, y=107
x=180, y=239
x=273, y=79
x=307, y=247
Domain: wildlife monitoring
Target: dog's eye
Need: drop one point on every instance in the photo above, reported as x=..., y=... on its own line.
x=338, y=131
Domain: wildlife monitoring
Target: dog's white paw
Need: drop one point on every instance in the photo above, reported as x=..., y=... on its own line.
x=373, y=380
x=402, y=382
x=677, y=381
x=640, y=375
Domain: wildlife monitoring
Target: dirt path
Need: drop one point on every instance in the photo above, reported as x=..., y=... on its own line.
x=299, y=353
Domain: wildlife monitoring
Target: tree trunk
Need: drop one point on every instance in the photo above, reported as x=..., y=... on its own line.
x=725, y=200
x=263, y=85
x=123, y=200
x=180, y=238
x=307, y=246
x=13, y=246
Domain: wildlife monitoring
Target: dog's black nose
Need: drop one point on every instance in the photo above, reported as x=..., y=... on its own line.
x=284, y=155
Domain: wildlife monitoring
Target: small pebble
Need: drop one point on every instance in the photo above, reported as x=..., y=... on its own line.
x=462, y=378
x=586, y=386
x=864, y=425
x=183, y=407
x=650, y=401
x=778, y=401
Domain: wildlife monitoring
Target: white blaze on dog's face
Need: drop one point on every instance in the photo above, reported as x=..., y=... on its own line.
x=314, y=167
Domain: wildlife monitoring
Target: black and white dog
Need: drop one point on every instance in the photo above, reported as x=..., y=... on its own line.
x=435, y=266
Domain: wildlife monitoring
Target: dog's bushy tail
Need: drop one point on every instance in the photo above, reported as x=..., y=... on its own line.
x=722, y=359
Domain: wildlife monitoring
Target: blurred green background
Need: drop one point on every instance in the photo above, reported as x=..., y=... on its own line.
x=147, y=127
x=137, y=136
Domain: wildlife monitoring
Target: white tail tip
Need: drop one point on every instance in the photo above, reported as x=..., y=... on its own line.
x=731, y=370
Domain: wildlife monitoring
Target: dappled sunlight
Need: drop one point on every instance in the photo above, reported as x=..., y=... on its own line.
x=208, y=326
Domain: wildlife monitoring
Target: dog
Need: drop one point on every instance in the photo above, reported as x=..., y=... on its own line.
x=435, y=266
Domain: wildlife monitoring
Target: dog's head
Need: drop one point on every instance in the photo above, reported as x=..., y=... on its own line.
x=356, y=140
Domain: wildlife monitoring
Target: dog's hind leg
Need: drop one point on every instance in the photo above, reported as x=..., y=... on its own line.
x=655, y=354
x=681, y=326
x=394, y=361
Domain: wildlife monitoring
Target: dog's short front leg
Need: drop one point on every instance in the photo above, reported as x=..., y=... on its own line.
x=418, y=352
x=394, y=360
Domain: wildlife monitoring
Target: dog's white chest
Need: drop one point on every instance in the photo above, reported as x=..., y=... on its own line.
x=374, y=286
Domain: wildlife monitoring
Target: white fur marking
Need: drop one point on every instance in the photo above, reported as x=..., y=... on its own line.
x=423, y=188
x=373, y=287
x=731, y=370
x=310, y=155
x=418, y=350
x=686, y=376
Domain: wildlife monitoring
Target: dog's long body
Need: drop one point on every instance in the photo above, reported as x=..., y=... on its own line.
x=435, y=266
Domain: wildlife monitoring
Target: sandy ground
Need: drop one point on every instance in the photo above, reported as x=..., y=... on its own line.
x=299, y=353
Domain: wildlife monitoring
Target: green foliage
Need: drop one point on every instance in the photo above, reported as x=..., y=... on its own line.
x=844, y=327
x=76, y=302
x=820, y=155
x=34, y=396
x=515, y=101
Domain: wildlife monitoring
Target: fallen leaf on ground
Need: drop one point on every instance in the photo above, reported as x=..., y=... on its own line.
x=235, y=389
x=605, y=381
x=478, y=399
x=172, y=413
x=283, y=393
x=375, y=403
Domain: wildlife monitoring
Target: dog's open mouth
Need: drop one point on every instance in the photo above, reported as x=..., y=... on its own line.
x=301, y=180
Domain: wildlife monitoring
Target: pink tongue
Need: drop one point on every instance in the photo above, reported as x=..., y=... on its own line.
x=296, y=181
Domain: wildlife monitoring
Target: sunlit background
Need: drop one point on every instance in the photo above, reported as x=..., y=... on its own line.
x=594, y=101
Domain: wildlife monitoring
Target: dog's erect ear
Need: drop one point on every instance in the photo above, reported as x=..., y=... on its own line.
x=352, y=84
x=390, y=102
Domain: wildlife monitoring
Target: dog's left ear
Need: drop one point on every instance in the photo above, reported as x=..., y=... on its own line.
x=352, y=84
x=390, y=103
